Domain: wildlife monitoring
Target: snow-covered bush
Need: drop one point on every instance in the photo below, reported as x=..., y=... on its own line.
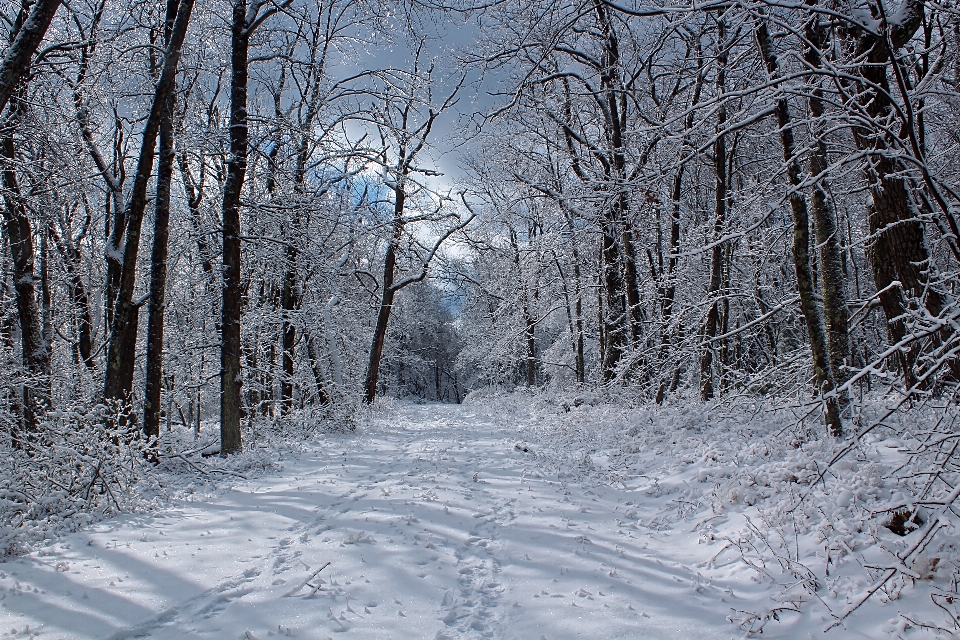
x=79, y=465
x=825, y=525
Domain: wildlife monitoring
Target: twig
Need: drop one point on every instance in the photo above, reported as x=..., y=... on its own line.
x=933, y=525
x=306, y=583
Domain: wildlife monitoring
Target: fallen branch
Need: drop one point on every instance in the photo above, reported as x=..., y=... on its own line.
x=307, y=583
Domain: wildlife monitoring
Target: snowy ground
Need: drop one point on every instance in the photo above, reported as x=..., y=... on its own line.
x=438, y=521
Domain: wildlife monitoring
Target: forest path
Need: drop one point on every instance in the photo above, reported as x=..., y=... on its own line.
x=434, y=523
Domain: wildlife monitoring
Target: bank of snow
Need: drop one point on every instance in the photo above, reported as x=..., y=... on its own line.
x=749, y=488
x=506, y=517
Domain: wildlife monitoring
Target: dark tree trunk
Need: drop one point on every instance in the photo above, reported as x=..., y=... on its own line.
x=158, y=260
x=631, y=285
x=194, y=193
x=79, y=297
x=668, y=293
x=832, y=287
x=123, y=340
x=601, y=338
x=573, y=326
x=230, y=346
x=529, y=324
x=581, y=366
x=291, y=295
x=323, y=397
x=723, y=351
x=624, y=257
x=719, y=222
x=289, y=302
x=386, y=301
x=530, y=362
x=9, y=333
x=27, y=32
x=46, y=313
x=899, y=251
x=36, y=353
x=822, y=370
x=19, y=55
x=614, y=319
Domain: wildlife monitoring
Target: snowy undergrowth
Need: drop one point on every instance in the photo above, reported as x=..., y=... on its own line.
x=754, y=482
x=77, y=469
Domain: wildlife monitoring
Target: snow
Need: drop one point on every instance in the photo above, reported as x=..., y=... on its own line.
x=492, y=519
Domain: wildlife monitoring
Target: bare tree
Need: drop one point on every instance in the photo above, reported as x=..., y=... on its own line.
x=122, y=345
x=405, y=120
x=823, y=369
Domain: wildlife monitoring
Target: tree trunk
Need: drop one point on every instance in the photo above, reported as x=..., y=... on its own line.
x=27, y=32
x=230, y=381
x=123, y=340
x=835, y=309
x=17, y=60
x=614, y=319
x=719, y=221
x=386, y=301
x=46, y=313
x=723, y=351
x=899, y=251
x=576, y=335
x=36, y=353
x=79, y=297
x=158, y=259
x=9, y=333
x=669, y=293
x=194, y=193
x=530, y=362
x=291, y=295
x=631, y=285
x=323, y=397
x=289, y=301
x=823, y=373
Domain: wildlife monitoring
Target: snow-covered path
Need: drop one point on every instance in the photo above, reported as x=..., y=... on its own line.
x=434, y=524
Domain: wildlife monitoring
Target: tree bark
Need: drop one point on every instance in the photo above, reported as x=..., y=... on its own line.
x=668, y=293
x=719, y=221
x=386, y=300
x=323, y=396
x=194, y=191
x=529, y=324
x=832, y=286
x=158, y=258
x=230, y=372
x=123, y=340
x=289, y=302
x=36, y=351
x=618, y=256
x=614, y=319
x=899, y=250
x=78, y=296
x=28, y=31
x=631, y=284
x=822, y=370
x=18, y=59
x=573, y=326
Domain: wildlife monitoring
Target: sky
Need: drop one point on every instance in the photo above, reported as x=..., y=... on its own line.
x=448, y=36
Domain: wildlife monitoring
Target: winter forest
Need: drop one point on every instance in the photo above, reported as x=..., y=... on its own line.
x=600, y=318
